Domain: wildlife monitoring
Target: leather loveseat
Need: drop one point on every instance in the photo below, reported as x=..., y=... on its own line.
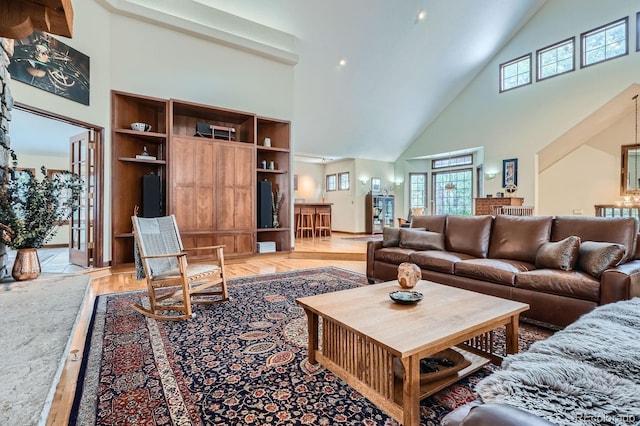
x=562, y=266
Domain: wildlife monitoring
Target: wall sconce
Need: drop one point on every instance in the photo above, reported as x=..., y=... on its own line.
x=364, y=181
x=490, y=176
x=398, y=183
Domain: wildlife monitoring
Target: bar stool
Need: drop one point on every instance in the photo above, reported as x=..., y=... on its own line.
x=296, y=218
x=305, y=222
x=323, y=221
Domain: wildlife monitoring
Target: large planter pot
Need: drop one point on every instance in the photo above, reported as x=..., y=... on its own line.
x=26, y=265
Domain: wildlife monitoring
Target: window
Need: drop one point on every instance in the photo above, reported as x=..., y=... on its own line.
x=417, y=190
x=453, y=192
x=556, y=59
x=460, y=160
x=604, y=43
x=331, y=183
x=515, y=73
x=343, y=181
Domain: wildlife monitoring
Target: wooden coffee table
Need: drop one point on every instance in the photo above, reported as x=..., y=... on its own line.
x=363, y=330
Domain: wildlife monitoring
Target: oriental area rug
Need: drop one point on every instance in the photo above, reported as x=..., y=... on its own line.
x=242, y=362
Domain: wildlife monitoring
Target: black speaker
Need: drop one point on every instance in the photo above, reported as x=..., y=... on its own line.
x=151, y=196
x=265, y=218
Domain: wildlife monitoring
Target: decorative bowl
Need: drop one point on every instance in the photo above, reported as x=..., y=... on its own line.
x=406, y=297
x=141, y=127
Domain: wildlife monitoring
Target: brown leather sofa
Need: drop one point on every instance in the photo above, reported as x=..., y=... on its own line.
x=532, y=259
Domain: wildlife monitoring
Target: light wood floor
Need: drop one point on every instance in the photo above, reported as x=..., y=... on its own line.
x=340, y=250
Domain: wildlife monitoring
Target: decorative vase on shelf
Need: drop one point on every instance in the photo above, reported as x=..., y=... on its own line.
x=27, y=265
x=276, y=224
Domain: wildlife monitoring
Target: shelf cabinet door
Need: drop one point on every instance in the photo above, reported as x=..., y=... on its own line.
x=235, y=201
x=193, y=184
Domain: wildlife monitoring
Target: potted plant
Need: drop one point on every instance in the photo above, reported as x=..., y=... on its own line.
x=31, y=210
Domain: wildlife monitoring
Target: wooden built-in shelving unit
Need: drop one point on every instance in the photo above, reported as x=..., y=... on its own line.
x=208, y=182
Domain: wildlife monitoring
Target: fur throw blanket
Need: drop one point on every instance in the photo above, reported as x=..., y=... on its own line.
x=586, y=374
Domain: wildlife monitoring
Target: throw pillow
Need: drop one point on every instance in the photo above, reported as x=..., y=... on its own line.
x=421, y=239
x=596, y=257
x=559, y=255
x=390, y=237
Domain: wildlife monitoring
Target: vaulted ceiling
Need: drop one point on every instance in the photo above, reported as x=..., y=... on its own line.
x=400, y=71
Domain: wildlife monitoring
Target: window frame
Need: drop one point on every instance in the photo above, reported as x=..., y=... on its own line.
x=333, y=178
x=424, y=191
x=348, y=186
x=503, y=65
x=553, y=46
x=585, y=34
x=435, y=193
x=638, y=32
x=449, y=163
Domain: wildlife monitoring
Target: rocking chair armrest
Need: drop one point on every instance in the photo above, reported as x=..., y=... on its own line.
x=158, y=256
x=206, y=248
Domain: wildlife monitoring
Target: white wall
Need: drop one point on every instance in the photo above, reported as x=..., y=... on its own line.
x=310, y=181
x=520, y=122
x=138, y=57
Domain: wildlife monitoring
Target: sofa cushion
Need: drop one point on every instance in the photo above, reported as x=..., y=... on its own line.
x=395, y=255
x=390, y=237
x=596, y=257
x=468, y=234
x=501, y=271
x=434, y=223
x=559, y=255
x=620, y=230
x=435, y=260
x=519, y=237
x=575, y=284
x=421, y=240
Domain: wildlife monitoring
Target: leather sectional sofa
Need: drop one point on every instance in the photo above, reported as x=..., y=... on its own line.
x=561, y=266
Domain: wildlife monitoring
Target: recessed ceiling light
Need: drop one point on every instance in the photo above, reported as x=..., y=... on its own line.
x=421, y=15
x=342, y=61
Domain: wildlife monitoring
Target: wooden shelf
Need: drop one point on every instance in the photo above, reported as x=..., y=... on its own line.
x=429, y=388
x=271, y=171
x=273, y=229
x=271, y=148
x=150, y=135
x=123, y=235
x=140, y=160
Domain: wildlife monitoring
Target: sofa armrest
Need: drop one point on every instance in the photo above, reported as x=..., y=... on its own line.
x=620, y=283
x=495, y=414
x=372, y=246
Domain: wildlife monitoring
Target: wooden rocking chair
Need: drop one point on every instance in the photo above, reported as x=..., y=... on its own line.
x=161, y=260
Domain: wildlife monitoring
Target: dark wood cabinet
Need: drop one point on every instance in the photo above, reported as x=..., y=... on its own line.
x=484, y=205
x=278, y=151
x=208, y=180
x=127, y=170
x=379, y=211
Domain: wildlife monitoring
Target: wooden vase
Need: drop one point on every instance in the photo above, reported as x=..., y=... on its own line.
x=27, y=265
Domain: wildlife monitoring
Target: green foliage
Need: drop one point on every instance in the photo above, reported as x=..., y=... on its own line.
x=31, y=209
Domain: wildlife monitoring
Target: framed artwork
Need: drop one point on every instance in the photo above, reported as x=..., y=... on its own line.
x=48, y=64
x=376, y=183
x=295, y=182
x=509, y=172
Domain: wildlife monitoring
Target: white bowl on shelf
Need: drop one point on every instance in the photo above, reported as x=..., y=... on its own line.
x=141, y=127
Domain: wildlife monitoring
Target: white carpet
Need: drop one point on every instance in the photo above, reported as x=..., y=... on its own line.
x=36, y=322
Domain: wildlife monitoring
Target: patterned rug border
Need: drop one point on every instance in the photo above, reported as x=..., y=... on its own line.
x=88, y=410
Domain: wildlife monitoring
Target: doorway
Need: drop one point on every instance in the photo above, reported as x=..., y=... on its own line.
x=44, y=138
